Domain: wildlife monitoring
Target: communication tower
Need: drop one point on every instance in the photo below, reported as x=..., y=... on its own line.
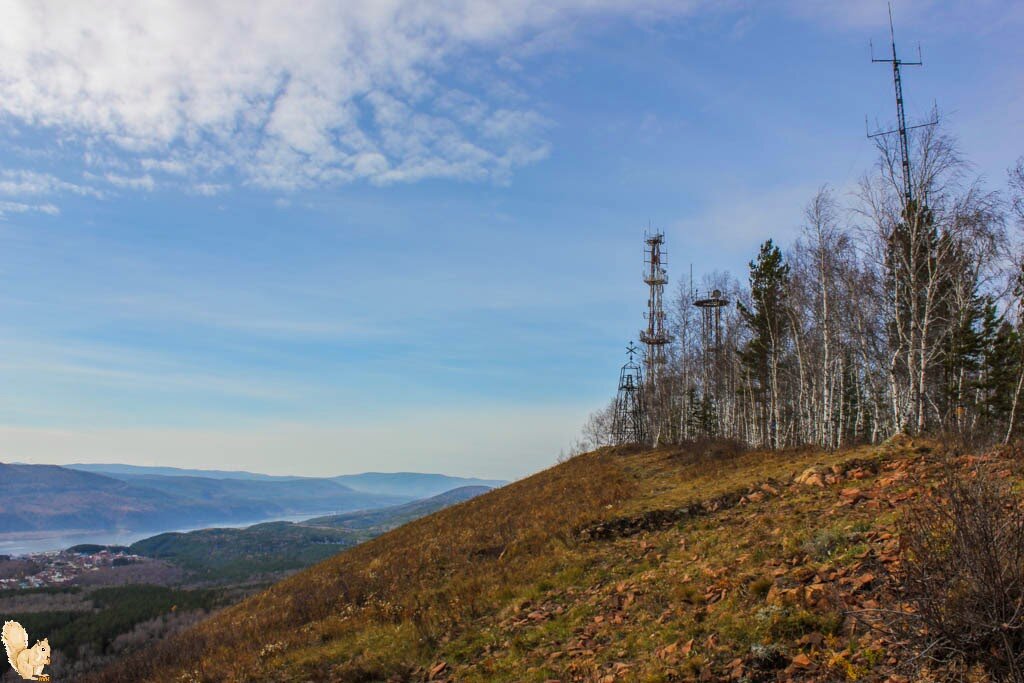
x=901, y=118
x=655, y=337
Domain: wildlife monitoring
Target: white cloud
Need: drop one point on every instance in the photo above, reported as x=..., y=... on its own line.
x=285, y=95
x=21, y=183
x=210, y=189
x=21, y=207
x=144, y=182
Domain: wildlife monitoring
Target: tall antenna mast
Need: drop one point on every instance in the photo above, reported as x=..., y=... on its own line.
x=897, y=65
x=655, y=337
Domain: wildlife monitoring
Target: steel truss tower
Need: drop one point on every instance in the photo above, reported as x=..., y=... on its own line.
x=628, y=425
x=655, y=337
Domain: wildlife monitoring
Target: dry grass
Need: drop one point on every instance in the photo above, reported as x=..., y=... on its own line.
x=410, y=587
x=500, y=586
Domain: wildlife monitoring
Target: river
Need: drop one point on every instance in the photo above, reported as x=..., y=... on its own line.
x=28, y=542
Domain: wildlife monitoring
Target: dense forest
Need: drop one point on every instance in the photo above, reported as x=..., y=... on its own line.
x=897, y=309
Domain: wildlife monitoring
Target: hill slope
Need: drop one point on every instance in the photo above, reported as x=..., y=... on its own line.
x=654, y=566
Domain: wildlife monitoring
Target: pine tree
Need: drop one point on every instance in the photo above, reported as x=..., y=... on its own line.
x=769, y=327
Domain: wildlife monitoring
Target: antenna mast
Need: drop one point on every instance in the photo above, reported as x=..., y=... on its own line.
x=897, y=65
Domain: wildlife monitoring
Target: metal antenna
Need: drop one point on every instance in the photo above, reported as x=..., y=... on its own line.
x=897, y=64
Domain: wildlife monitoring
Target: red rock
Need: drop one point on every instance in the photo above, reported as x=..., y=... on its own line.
x=814, y=593
x=862, y=581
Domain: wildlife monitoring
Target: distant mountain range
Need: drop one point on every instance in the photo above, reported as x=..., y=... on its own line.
x=408, y=485
x=114, y=468
x=107, y=497
x=385, y=519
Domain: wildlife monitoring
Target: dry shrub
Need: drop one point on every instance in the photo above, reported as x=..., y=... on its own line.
x=962, y=578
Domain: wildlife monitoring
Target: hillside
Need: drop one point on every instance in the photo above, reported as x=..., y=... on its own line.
x=616, y=565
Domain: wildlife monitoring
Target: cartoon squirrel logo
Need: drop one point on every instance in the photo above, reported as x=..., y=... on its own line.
x=27, y=661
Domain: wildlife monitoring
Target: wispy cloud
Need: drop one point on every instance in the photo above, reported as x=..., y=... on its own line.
x=210, y=189
x=284, y=96
x=22, y=183
x=21, y=207
x=131, y=182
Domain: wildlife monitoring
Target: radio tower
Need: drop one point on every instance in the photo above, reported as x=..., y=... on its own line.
x=655, y=337
x=901, y=118
x=628, y=424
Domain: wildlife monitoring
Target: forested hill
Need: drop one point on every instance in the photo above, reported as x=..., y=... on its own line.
x=618, y=565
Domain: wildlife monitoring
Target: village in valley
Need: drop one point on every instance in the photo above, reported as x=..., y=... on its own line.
x=77, y=566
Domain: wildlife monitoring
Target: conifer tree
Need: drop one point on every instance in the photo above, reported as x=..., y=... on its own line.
x=769, y=325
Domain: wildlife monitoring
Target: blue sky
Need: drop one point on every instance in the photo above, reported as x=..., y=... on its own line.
x=401, y=235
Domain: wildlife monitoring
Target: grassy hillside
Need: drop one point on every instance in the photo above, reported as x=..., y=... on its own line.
x=616, y=565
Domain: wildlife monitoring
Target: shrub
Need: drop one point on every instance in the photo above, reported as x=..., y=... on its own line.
x=962, y=577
